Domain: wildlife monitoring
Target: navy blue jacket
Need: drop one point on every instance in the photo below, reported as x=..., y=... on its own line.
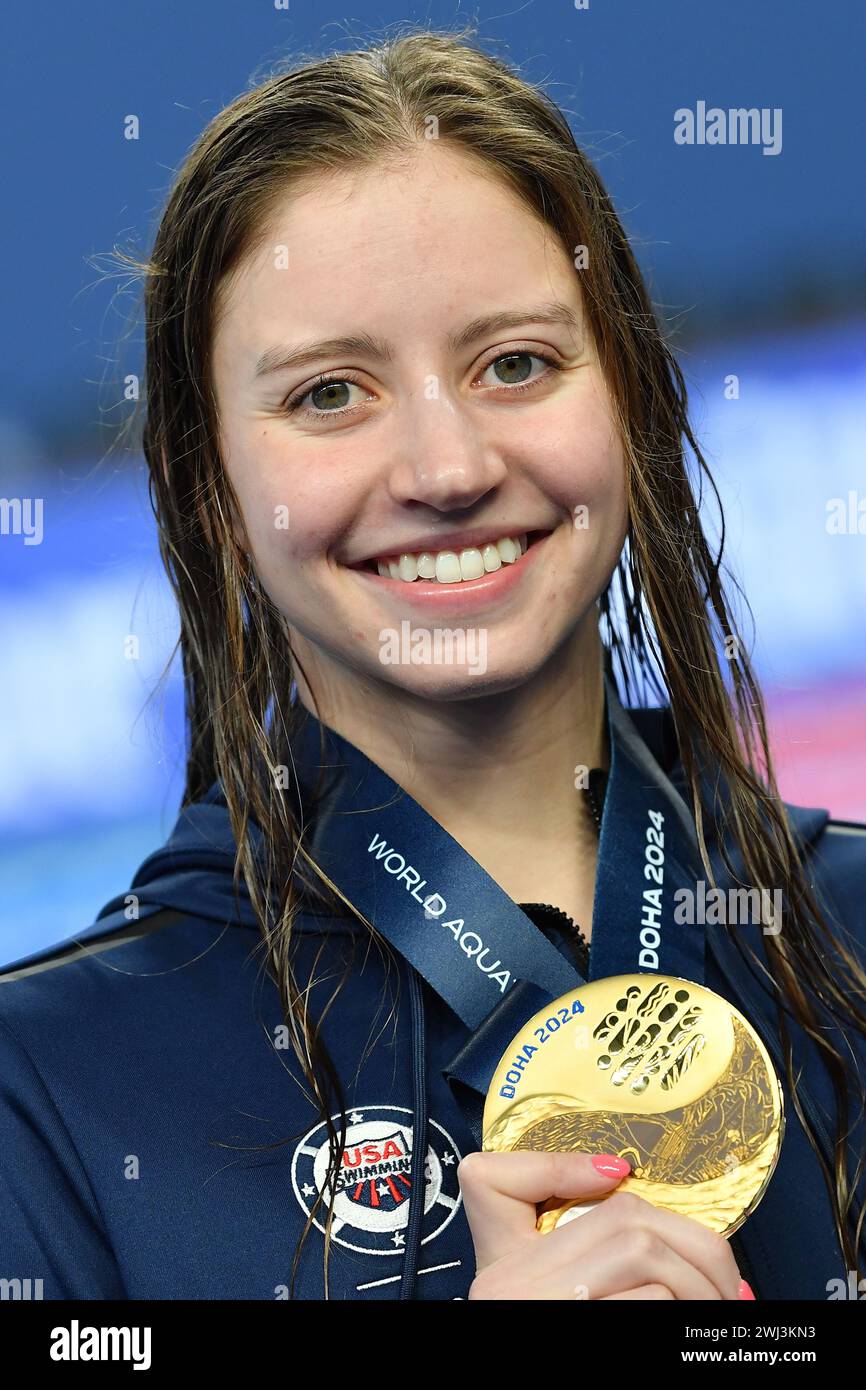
x=157, y=1140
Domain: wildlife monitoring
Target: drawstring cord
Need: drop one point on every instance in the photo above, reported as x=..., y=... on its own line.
x=419, y=1140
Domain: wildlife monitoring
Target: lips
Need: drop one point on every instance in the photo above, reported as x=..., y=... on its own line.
x=466, y=597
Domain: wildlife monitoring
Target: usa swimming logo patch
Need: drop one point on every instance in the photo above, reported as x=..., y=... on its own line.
x=374, y=1183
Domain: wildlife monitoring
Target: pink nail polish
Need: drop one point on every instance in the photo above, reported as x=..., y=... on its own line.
x=744, y=1290
x=610, y=1166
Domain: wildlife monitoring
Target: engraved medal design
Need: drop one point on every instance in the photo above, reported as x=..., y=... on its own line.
x=658, y=1070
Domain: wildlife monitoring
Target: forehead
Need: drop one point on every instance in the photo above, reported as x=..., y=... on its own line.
x=437, y=231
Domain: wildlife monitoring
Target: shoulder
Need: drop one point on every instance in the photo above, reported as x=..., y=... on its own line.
x=86, y=991
x=829, y=841
x=836, y=863
x=120, y=971
x=98, y=1032
x=73, y=959
x=846, y=839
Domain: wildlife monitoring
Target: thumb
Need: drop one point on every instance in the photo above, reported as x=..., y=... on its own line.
x=500, y=1192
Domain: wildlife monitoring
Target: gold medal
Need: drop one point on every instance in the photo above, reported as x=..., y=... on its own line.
x=658, y=1070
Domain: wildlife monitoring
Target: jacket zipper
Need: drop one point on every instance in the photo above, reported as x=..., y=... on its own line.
x=594, y=794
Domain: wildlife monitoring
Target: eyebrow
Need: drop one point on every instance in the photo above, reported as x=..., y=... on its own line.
x=280, y=357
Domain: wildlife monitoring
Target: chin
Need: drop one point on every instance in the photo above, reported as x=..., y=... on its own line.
x=459, y=682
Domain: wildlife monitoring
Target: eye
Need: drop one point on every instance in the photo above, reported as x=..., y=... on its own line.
x=329, y=396
x=514, y=369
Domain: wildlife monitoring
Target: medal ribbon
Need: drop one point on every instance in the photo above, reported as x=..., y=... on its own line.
x=453, y=923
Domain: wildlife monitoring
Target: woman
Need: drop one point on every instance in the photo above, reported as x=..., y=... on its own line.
x=395, y=539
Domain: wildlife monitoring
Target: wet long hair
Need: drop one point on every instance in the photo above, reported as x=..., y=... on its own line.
x=665, y=617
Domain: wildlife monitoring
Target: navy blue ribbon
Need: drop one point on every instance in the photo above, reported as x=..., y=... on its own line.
x=454, y=924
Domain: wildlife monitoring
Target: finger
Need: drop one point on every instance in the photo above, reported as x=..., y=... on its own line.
x=697, y=1245
x=648, y=1291
x=546, y=1269
x=501, y=1190
x=635, y=1258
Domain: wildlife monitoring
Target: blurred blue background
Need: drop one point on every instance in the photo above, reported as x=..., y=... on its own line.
x=758, y=259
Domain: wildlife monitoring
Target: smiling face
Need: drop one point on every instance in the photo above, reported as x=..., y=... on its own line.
x=470, y=412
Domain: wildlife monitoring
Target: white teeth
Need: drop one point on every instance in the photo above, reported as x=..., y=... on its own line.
x=449, y=567
x=407, y=567
x=471, y=564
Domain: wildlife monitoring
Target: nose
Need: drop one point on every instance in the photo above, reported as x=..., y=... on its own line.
x=443, y=459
